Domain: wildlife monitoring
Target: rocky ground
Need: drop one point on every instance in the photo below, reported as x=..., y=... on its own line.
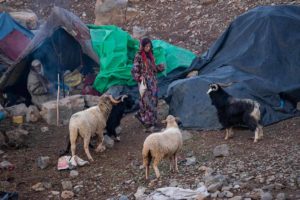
x=269, y=169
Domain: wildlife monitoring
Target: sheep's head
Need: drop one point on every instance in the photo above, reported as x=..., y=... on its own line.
x=171, y=121
x=213, y=87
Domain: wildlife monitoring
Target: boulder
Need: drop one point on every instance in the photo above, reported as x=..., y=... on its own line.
x=27, y=18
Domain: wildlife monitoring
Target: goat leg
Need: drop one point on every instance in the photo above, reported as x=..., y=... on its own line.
x=176, y=163
x=156, y=170
x=100, y=147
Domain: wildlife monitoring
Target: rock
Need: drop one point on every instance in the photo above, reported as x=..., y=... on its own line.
x=74, y=173
x=228, y=194
x=139, y=195
x=67, y=185
x=214, y=187
x=67, y=107
x=236, y=198
x=298, y=105
x=215, y=194
x=55, y=193
x=138, y=32
x=43, y=162
x=91, y=100
x=17, y=110
x=266, y=196
x=190, y=161
x=110, y=12
x=207, y=170
x=1, y=152
x=186, y=135
x=77, y=188
x=118, y=130
x=280, y=196
x=109, y=143
x=162, y=110
x=33, y=114
x=17, y=137
x=221, y=150
x=209, y=180
x=123, y=197
x=47, y=185
x=173, y=183
x=67, y=194
x=44, y=129
x=27, y=18
x=38, y=187
x=192, y=74
x=5, y=165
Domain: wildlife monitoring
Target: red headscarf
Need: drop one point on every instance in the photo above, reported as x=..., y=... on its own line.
x=144, y=54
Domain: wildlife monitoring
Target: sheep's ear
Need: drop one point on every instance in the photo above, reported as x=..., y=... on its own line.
x=164, y=121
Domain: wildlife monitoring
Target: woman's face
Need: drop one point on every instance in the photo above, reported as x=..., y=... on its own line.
x=147, y=48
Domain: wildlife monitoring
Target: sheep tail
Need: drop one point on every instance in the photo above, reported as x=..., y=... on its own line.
x=147, y=157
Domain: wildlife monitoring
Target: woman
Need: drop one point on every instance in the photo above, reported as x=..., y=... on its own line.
x=144, y=72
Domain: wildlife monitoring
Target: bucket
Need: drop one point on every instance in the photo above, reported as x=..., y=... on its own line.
x=18, y=119
x=2, y=115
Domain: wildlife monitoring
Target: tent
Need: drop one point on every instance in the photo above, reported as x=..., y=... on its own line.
x=260, y=51
x=116, y=50
x=62, y=43
x=13, y=40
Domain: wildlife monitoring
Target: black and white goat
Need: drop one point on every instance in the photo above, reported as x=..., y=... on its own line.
x=116, y=115
x=233, y=111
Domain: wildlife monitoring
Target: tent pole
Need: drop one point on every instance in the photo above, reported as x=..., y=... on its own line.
x=57, y=100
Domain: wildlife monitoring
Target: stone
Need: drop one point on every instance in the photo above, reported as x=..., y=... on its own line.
x=77, y=188
x=173, y=183
x=27, y=18
x=110, y=12
x=44, y=129
x=47, y=185
x=123, y=197
x=33, y=114
x=67, y=107
x=162, y=110
x=109, y=143
x=221, y=150
x=280, y=196
x=17, y=137
x=43, y=162
x=139, y=195
x=190, y=161
x=214, y=187
x=38, y=187
x=55, y=193
x=138, y=32
x=266, y=196
x=67, y=194
x=236, y=198
x=186, y=135
x=74, y=173
x=228, y=194
x=17, y=110
x=298, y=105
x=91, y=100
x=67, y=185
x=192, y=74
x=209, y=180
x=5, y=165
x=118, y=130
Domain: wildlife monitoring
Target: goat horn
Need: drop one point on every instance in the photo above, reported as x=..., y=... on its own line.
x=226, y=84
x=113, y=100
x=123, y=97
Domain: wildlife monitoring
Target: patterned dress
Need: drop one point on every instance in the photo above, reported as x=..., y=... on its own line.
x=148, y=102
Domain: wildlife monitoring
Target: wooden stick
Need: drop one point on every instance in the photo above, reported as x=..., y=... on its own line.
x=57, y=100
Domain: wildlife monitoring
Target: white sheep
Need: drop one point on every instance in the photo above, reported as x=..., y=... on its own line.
x=165, y=144
x=89, y=122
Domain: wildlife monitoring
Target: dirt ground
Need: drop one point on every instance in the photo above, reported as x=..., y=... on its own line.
x=273, y=162
x=117, y=171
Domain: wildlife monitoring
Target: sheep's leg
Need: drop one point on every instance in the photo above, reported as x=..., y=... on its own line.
x=155, y=164
x=176, y=163
x=86, y=142
x=100, y=147
x=231, y=133
x=147, y=172
x=261, y=133
x=227, y=134
x=171, y=163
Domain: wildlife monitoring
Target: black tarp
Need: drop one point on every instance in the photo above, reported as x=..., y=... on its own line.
x=260, y=51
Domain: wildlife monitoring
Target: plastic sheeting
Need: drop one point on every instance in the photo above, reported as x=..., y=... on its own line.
x=116, y=50
x=260, y=51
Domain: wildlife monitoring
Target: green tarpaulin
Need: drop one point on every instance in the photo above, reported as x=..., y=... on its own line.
x=116, y=50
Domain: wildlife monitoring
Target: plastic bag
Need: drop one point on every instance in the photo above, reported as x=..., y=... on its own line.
x=142, y=87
